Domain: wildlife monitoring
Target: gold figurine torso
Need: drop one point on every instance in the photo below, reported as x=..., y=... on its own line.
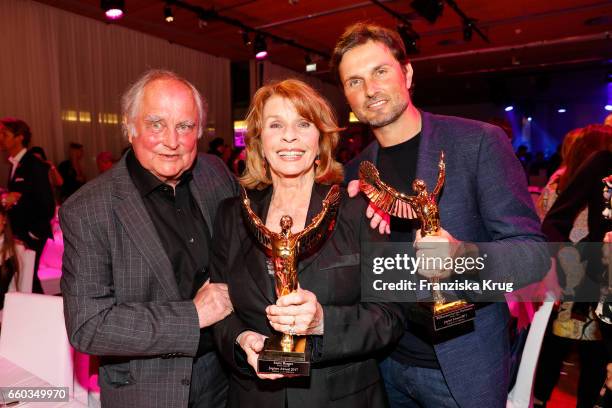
x=284, y=259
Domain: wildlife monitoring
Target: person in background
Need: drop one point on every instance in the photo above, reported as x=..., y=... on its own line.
x=30, y=192
x=216, y=147
x=571, y=324
x=580, y=327
x=104, y=161
x=551, y=189
x=55, y=178
x=72, y=171
x=9, y=263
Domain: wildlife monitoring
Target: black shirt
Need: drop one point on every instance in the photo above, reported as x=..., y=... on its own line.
x=181, y=228
x=397, y=166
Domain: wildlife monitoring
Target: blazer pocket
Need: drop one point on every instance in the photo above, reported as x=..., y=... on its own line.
x=117, y=375
x=339, y=261
x=352, y=378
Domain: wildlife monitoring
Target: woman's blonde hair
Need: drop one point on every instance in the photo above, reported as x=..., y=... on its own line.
x=311, y=106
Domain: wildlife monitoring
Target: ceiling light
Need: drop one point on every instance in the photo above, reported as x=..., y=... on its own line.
x=246, y=39
x=168, y=16
x=409, y=37
x=430, y=10
x=260, y=47
x=509, y=108
x=608, y=107
x=468, y=29
x=310, y=65
x=561, y=110
x=113, y=9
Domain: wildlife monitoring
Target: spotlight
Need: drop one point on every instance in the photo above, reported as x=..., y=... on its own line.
x=561, y=110
x=468, y=29
x=310, y=66
x=509, y=108
x=246, y=39
x=260, y=47
x=168, y=16
x=113, y=9
x=608, y=107
x=430, y=10
x=409, y=37
x=529, y=118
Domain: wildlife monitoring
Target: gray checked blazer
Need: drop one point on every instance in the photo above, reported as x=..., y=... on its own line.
x=121, y=300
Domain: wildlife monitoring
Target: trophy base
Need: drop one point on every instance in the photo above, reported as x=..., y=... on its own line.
x=273, y=360
x=458, y=314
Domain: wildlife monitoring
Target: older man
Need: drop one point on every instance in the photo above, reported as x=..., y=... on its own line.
x=135, y=279
x=485, y=199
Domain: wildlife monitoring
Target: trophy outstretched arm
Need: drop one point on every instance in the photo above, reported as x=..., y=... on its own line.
x=257, y=227
x=382, y=195
x=441, y=177
x=311, y=236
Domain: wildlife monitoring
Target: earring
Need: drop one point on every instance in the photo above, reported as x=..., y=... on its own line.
x=318, y=160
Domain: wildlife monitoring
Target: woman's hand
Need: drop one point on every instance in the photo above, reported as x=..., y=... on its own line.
x=252, y=343
x=297, y=313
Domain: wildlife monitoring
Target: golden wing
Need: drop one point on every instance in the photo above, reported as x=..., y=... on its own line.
x=254, y=224
x=313, y=235
x=381, y=194
x=441, y=176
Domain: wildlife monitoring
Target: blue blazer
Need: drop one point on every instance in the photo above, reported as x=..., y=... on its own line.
x=484, y=199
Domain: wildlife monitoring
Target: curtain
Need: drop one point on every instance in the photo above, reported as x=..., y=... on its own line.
x=64, y=75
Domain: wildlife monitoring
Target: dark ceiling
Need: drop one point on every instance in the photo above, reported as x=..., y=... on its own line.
x=523, y=34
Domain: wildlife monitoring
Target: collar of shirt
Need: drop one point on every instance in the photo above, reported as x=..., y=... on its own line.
x=17, y=158
x=144, y=180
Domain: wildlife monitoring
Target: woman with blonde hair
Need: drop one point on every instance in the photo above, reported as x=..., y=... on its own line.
x=290, y=168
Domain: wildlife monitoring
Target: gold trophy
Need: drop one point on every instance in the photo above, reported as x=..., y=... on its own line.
x=287, y=353
x=445, y=314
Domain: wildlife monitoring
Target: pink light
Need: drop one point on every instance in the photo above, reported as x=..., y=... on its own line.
x=261, y=54
x=114, y=14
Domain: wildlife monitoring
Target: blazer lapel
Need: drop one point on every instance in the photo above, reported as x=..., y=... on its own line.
x=429, y=153
x=132, y=213
x=197, y=186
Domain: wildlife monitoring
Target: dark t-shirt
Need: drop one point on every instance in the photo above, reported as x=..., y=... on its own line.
x=397, y=166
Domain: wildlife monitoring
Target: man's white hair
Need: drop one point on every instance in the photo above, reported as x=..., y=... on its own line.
x=132, y=98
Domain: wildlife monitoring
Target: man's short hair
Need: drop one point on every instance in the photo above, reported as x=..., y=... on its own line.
x=359, y=34
x=76, y=146
x=19, y=128
x=131, y=99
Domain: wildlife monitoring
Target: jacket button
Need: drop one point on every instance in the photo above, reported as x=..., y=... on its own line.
x=185, y=381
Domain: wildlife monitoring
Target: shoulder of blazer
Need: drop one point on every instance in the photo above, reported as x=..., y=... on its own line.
x=435, y=125
x=95, y=193
x=29, y=162
x=211, y=172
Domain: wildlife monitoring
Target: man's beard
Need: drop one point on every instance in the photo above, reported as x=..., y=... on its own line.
x=389, y=118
